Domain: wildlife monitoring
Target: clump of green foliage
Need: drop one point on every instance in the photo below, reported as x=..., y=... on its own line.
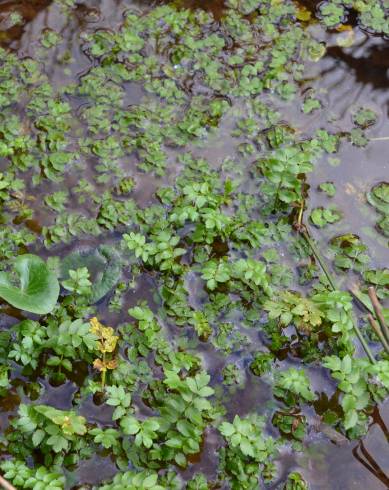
x=379, y=198
x=372, y=15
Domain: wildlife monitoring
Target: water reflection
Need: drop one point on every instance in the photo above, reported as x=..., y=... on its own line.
x=352, y=78
x=27, y=12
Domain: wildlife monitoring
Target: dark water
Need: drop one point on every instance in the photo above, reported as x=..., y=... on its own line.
x=345, y=77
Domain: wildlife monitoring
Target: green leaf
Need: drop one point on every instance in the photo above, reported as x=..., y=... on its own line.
x=246, y=447
x=350, y=419
x=39, y=288
x=329, y=188
x=227, y=429
x=174, y=442
x=150, y=481
x=37, y=437
x=180, y=459
x=130, y=425
x=58, y=443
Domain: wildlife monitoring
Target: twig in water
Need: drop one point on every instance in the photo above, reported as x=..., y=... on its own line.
x=359, y=297
x=367, y=304
x=378, y=332
x=378, y=312
x=5, y=484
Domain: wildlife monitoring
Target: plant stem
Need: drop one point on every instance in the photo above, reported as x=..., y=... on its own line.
x=377, y=329
x=300, y=215
x=358, y=296
x=380, y=138
x=5, y=484
x=103, y=373
x=318, y=257
x=378, y=332
x=378, y=312
x=364, y=343
x=331, y=281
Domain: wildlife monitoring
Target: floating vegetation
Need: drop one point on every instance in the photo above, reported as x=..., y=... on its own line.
x=379, y=198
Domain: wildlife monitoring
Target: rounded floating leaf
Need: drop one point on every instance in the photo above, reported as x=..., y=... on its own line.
x=39, y=288
x=104, y=266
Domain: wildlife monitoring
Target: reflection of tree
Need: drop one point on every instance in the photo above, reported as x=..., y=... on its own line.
x=66, y=25
x=215, y=7
x=366, y=459
x=39, y=15
x=28, y=10
x=369, y=462
x=353, y=73
x=371, y=68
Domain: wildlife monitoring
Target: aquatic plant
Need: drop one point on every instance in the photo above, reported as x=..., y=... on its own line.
x=39, y=289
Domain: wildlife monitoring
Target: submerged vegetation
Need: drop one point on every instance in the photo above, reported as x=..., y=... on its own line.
x=116, y=211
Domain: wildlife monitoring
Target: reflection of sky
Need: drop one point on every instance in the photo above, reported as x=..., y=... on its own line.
x=347, y=88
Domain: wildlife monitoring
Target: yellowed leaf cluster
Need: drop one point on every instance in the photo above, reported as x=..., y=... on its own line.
x=107, y=338
x=106, y=344
x=102, y=365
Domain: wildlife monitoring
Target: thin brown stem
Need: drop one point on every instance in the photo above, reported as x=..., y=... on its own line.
x=358, y=296
x=300, y=214
x=5, y=484
x=103, y=373
x=378, y=312
x=378, y=331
